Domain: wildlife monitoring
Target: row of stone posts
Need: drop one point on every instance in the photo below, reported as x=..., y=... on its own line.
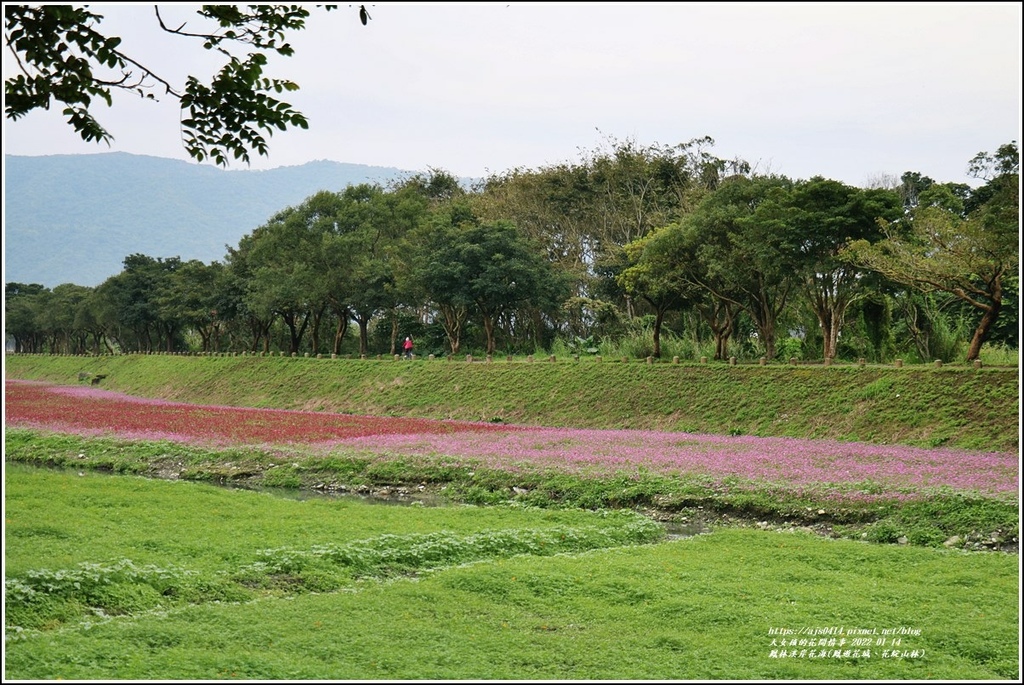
x=763, y=361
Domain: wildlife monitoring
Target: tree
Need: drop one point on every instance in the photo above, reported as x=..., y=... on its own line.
x=668, y=273
x=280, y=261
x=825, y=215
x=21, y=306
x=137, y=301
x=64, y=58
x=969, y=256
x=747, y=251
x=657, y=274
x=488, y=266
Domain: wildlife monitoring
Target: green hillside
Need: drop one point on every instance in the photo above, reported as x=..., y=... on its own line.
x=74, y=218
x=951, y=406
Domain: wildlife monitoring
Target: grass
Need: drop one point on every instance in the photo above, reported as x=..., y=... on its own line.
x=706, y=607
x=954, y=406
x=527, y=574
x=884, y=515
x=191, y=542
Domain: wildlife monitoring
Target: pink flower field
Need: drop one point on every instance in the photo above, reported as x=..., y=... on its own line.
x=848, y=470
x=86, y=410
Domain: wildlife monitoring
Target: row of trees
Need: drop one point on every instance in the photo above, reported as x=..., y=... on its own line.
x=668, y=240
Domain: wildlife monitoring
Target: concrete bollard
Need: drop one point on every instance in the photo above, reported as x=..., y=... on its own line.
x=899, y=363
x=597, y=358
x=977, y=363
x=938, y=363
x=650, y=360
x=762, y=361
x=732, y=361
x=675, y=360
x=703, y=360
x=469, y=358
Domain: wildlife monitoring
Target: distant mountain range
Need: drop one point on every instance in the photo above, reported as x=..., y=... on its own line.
x=74, y=218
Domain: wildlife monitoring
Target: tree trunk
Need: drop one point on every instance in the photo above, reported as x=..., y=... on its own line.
x=315, y=330
x=489, y=332
x=364, y=334
x=339, y=332
x=981, y=332
x=719, y=318
x=658, y=319
x=453, y=317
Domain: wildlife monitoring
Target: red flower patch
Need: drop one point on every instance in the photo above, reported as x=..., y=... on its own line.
x=87, y=410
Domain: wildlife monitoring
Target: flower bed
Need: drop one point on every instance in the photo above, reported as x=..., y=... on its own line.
x=846, y=470
x=86, y=410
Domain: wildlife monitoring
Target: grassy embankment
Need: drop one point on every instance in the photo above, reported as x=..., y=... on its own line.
x=949, y=407
x=953, y=406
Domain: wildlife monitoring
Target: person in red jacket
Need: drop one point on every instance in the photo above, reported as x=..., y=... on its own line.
x=407, y=346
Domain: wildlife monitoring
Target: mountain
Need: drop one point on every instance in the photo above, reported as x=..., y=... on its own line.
x=74, y=218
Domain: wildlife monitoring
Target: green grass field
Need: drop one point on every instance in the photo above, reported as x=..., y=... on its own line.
x=230, y=584
x=114, y=576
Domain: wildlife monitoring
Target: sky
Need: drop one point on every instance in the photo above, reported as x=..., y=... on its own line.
x=855, y=92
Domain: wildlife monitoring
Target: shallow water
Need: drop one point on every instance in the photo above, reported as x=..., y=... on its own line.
x=385, y=496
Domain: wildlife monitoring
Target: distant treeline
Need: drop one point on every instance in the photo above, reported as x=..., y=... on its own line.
x=639, y=251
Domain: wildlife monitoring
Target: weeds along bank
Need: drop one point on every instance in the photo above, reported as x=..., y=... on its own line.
x=926, y=406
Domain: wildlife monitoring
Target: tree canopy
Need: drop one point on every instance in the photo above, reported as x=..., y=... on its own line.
x=942, y=246
x=65, y=58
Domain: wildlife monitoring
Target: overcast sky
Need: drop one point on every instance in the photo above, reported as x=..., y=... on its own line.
x=849, y=91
